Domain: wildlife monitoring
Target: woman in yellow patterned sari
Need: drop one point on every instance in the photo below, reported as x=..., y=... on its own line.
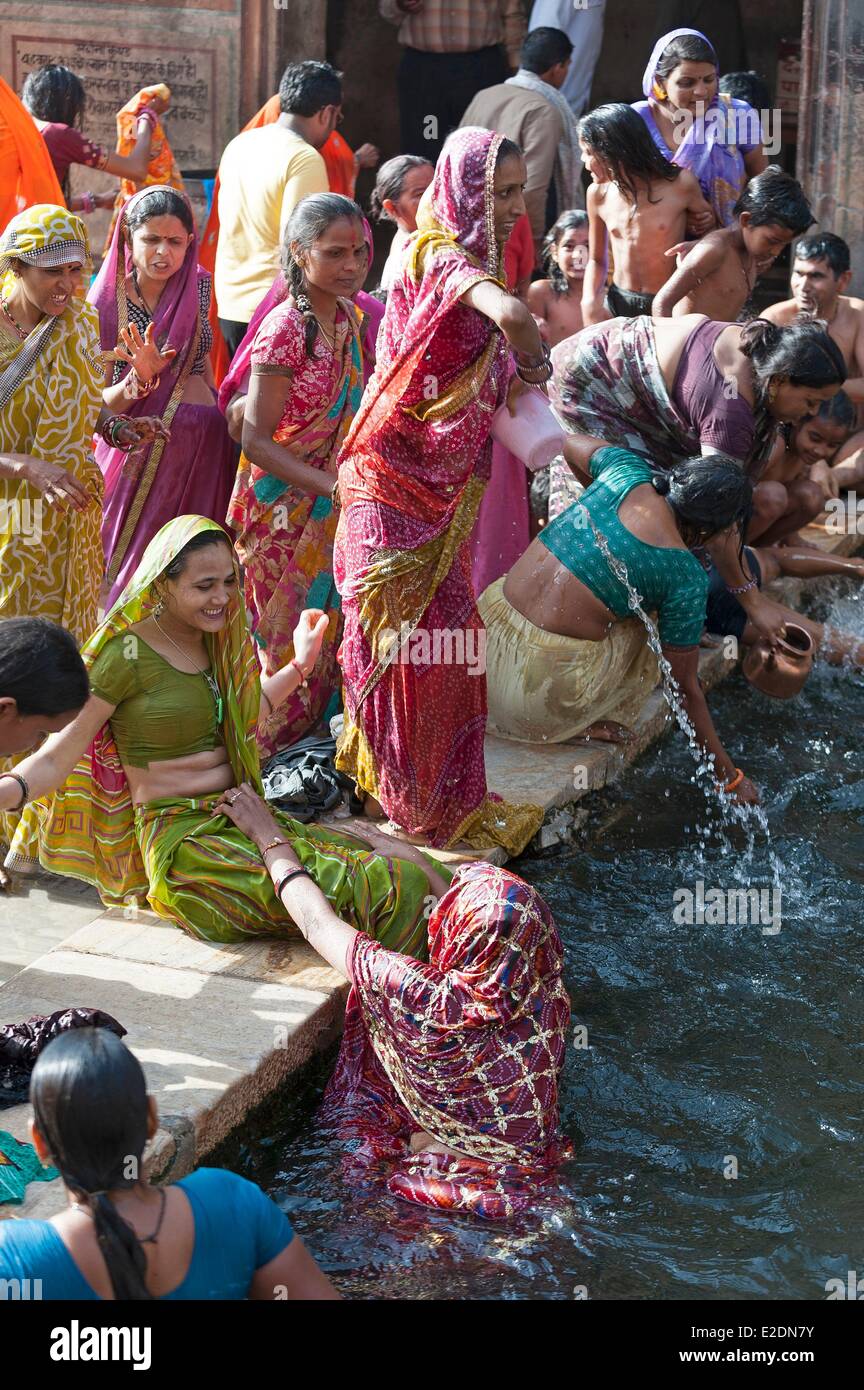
x=51, y=377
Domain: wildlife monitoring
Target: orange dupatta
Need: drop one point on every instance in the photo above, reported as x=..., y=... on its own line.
x=27, y=176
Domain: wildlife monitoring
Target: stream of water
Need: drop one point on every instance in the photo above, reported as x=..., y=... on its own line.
x=717, y=1107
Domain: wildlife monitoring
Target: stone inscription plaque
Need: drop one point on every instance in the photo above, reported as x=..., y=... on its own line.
x=114, y=72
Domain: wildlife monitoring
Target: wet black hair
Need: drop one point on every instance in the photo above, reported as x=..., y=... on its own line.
x=619, y=137
x=307, y=87
x=199, y=542
x=687, y=48
x=89, y=1100
x=802, y=352
x=40, y=668
x=707, y=494
x=508, y=149
x=309, y=221
x=54, y=93
x=162, y=202
x=573, y=218
x=747, y=86
x=777, y=198
x=838, y=410
x=390, y=181
x=825, y=246
x=544, y=48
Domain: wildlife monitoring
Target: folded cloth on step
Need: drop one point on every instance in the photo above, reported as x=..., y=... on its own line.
x=21, y=1043
x=302, y=780
x=19, y=1164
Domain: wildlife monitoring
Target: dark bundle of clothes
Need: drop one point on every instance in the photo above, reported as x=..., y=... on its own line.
x=303, y=781
x=21, y=1043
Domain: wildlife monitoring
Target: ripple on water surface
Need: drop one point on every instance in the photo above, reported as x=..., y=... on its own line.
x=712, y=1048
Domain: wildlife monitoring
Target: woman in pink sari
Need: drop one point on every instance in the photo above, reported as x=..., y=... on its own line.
x=235, y=383
x=152, y=299
x=305, y=387
x=412, y=474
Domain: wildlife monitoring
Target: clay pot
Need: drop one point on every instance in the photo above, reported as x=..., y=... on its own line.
x=780, y=671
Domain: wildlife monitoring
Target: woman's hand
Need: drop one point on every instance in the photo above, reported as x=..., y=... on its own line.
x=745, y=794
x=367, y=156
x=309, y=636
x=698, y=223
x=141, y=429
x=251, y=814
x=768, y=617
x=56, y=485
x=516, y=387
x=142, y=353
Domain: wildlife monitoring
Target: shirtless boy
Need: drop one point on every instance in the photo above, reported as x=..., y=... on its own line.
x=640, y=204
x=717, y=276
x=556, y=303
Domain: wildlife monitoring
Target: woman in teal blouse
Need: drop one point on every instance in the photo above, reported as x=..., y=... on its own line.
x=565, y=656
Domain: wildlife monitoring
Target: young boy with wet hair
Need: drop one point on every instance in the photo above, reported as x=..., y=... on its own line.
x=716, y=277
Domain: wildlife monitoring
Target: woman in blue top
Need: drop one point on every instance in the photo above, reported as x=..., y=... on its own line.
x=564, y=655
x=212, y=1235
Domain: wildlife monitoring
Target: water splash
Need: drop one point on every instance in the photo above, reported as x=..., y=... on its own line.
x=751, y=819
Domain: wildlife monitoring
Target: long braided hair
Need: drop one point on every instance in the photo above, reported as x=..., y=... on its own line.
x=308, y=222
x=89, y=1100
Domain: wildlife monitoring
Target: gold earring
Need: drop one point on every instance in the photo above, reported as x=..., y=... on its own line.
x=773, y=388
x=658, y=91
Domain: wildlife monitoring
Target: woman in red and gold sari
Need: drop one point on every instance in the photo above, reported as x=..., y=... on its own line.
x=412, y=474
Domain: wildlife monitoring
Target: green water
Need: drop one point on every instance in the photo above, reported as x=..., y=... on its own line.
x=712, y=1050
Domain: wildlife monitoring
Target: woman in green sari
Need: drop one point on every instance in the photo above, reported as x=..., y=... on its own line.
x=128, y=791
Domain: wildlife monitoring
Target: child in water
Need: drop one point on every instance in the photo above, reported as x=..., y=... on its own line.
x=799, y=478
x=400, y=185
x=639, y=203
x=716, y=277
x=556, y=303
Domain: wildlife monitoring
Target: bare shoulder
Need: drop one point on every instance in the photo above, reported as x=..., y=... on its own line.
x=782, y=313
x=538, y=295
x=856, y=306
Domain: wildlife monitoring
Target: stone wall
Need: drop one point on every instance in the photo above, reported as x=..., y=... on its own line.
x=831, y=145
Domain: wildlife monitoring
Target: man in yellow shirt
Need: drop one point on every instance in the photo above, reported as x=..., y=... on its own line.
x=263, y=175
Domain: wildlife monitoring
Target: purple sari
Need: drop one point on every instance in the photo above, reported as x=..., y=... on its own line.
x=193, y=471
x=706, y=149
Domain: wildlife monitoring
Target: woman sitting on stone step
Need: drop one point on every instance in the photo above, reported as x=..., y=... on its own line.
x=213, y=1235
x=566, y=657
x=177, y=697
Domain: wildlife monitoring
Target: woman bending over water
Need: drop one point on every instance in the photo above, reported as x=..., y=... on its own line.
x=170, y=725
x=564, y=655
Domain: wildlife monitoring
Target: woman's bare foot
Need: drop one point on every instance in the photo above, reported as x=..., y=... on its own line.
x=606, y=731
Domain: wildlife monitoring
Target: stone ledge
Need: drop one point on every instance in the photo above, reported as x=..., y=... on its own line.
x=216, y=1028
